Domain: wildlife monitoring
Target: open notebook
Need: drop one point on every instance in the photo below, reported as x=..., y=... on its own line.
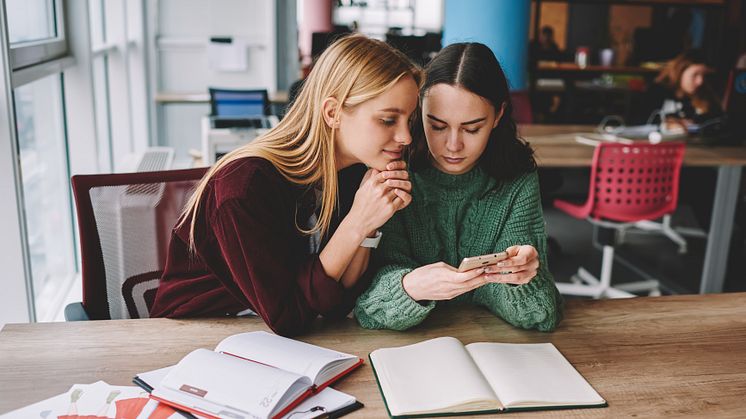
x=249, y=375
x=325, y=403
x=443, y=377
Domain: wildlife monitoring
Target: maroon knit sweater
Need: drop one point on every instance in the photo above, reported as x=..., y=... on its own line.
x=249, y=253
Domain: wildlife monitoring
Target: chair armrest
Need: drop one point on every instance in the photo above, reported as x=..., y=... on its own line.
x=75, y=312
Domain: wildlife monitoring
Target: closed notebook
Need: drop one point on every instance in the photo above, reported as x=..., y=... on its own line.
x=251, y=375
x=443, y=377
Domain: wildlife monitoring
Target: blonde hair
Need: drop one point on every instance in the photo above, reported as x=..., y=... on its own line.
x=353, y=69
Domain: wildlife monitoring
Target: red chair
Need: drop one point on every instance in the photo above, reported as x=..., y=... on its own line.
x=629, y=183
x=125, y=222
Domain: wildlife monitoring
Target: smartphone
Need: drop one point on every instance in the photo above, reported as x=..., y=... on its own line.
x=480, y=261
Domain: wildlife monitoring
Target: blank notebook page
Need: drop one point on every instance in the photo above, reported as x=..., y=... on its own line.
x=428, y=375
x=532, y=374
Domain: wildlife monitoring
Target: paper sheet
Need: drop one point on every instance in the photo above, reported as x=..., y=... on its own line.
x=97, y=400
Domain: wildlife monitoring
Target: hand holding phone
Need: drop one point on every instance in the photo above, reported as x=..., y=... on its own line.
x=521, y=266
x=481, y=261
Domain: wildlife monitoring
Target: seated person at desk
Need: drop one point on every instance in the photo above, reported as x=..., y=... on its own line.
x=246, y=239
x=545, y=48
x=681, y=93
x=475, y=191
x=688, y=102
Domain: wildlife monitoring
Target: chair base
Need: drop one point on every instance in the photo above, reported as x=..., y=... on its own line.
x=586, y=284
x=675, y=234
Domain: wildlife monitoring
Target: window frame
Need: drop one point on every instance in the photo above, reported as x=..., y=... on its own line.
x=70, y=54
x=16, y=300
x=27, y=54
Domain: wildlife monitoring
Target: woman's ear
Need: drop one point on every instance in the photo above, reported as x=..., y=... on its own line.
x=499, y=116
x=329, y=110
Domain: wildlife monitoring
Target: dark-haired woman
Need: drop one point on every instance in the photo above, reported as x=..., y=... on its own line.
x=475, y=191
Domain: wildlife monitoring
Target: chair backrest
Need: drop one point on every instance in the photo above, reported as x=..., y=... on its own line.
x=125, y=222
x=522, y=112
x=231, y=102
x=635, y=182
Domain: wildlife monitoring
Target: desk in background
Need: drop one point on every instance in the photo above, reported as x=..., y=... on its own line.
x=556, y=147
x=651, y=357
x=278, y=97
x=278, y=100
x=218, y=141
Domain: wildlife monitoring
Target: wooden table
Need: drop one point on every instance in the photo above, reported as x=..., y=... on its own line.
x=555, y=146
x=652, y=357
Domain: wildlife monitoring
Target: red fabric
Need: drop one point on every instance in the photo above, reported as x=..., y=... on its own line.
x=249, y=253
x=130, y=408
x=521, y=102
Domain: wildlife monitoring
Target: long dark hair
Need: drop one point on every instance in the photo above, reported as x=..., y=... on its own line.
x=474, y=67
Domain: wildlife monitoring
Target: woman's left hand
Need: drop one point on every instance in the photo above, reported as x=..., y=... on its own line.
x=519, y=268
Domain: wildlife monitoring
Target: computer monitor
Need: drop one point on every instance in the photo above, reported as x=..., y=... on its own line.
x=242, y=103
x=321, y=40
x=414, y=47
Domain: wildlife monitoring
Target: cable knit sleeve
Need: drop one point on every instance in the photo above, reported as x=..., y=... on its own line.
x=538, y=304
x=386, y=305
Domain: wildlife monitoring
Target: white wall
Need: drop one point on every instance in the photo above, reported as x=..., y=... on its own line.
x=429, y=15
x=181, y=37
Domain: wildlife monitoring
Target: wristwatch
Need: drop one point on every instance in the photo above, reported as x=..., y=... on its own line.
x=372, y=242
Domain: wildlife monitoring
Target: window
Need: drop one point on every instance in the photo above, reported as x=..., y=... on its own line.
x=101, y=101
x=117, y=37
x=31, y=20
x=100, y=63
x=68, y=115
x=46, y=192
x=38, y=54
x=36, y=31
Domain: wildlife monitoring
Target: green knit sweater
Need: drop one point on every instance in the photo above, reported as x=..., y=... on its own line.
x=457, y=216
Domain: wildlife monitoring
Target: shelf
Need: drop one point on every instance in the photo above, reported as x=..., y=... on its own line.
x=699, y=3
x=574, y=68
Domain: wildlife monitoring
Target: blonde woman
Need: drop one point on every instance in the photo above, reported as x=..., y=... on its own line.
x=283, y=226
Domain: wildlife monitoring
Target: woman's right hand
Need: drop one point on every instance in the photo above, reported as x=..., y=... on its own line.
x=380, y=195
x=440, y=281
